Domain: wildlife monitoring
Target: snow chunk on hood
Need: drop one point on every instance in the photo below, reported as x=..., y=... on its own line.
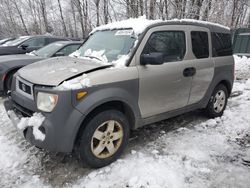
x=34, y=121
x=137, y=24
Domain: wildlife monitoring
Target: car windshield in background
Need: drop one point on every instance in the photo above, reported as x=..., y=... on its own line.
x=16, y=41
x=48, y=50
x=108, y=46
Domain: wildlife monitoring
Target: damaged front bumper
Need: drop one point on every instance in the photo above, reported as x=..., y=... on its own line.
x=59, y=129
x=15, y=114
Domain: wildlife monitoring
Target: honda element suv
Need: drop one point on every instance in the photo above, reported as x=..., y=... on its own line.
x=126, y=75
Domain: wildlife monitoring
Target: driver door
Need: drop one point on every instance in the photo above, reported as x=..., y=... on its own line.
x=164, y=87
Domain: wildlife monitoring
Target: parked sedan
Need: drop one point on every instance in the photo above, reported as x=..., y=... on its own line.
x=9, y=64
x=26, y=44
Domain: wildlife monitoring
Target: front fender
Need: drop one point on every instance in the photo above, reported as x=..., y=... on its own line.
x=126, y=92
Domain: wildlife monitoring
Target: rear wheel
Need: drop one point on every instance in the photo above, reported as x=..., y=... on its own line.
x=104, y=138
x=217, y=102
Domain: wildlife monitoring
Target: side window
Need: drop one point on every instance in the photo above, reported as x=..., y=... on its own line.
x=69, y=49
x=35, y=42
x=200, y=45
x=222, y=44
x=170, y=43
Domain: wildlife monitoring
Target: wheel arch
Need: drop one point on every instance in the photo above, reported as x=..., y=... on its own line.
x=227, y=84
x=119, y=105
x=8, y=73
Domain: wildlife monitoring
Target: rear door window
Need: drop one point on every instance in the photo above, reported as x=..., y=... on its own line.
x=200, y=44
x=171, y=44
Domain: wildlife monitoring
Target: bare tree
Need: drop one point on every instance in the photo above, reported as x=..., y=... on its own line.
x=63, y=22
x=97, y=4
x=105, y=11
x=152, y=9
x=42, y=4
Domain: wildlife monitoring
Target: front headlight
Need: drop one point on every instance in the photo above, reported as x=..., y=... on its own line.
x=46, y=101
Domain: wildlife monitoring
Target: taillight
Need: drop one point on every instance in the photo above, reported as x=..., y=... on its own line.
x=4, y=76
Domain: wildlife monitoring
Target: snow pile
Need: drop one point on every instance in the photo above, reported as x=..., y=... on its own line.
x=242, y=64
x=35, y=122
x=76, y=83
x=137, y=24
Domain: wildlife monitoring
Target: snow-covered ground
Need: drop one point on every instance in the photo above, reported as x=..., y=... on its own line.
x=186, y=151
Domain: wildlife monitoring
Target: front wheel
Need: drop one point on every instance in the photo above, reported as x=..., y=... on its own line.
x=217, y=102
x=104, y=138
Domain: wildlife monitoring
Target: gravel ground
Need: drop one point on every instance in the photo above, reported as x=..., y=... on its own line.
x=186, y=151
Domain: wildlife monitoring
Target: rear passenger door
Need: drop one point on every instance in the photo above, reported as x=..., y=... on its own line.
x=202, y=61
x=164, y=87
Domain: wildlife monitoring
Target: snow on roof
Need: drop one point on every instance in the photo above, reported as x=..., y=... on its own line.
x=141, y=23
x=137, y=24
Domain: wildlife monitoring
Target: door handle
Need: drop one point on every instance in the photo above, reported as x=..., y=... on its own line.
x=188, y=72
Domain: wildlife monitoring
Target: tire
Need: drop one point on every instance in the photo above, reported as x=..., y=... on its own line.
x=217, y=102
x=98, y=146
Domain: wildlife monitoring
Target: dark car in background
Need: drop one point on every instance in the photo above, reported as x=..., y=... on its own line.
x=26, y=44
x=9, y=64
x=5, y=40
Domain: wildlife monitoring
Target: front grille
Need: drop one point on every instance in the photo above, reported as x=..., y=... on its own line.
x=25, y=88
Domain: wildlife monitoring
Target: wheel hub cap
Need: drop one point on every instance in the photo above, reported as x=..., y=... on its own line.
x=219, y=101
x=107, y=139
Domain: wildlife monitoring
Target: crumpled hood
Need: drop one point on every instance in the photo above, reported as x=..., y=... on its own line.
x=53, y=71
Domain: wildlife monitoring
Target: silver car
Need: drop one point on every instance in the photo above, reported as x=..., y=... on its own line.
x=124, y=76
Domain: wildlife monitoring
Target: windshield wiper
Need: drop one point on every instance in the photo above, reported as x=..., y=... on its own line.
x=94, y=57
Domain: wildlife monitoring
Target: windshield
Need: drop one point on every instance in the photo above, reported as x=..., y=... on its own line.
x=48, y=50
x=108, y=46
x=16, y=41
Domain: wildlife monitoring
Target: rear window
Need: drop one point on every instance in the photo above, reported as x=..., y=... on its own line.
x=222, y=44
x=200, y=45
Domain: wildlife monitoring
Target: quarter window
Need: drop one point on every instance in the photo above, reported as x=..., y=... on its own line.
x=222, y=44
x=170, y=43
x=200, y=45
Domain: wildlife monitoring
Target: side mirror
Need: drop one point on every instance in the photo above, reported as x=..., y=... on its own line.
x=152, y=59
x=24, y=46
x=59, y=54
